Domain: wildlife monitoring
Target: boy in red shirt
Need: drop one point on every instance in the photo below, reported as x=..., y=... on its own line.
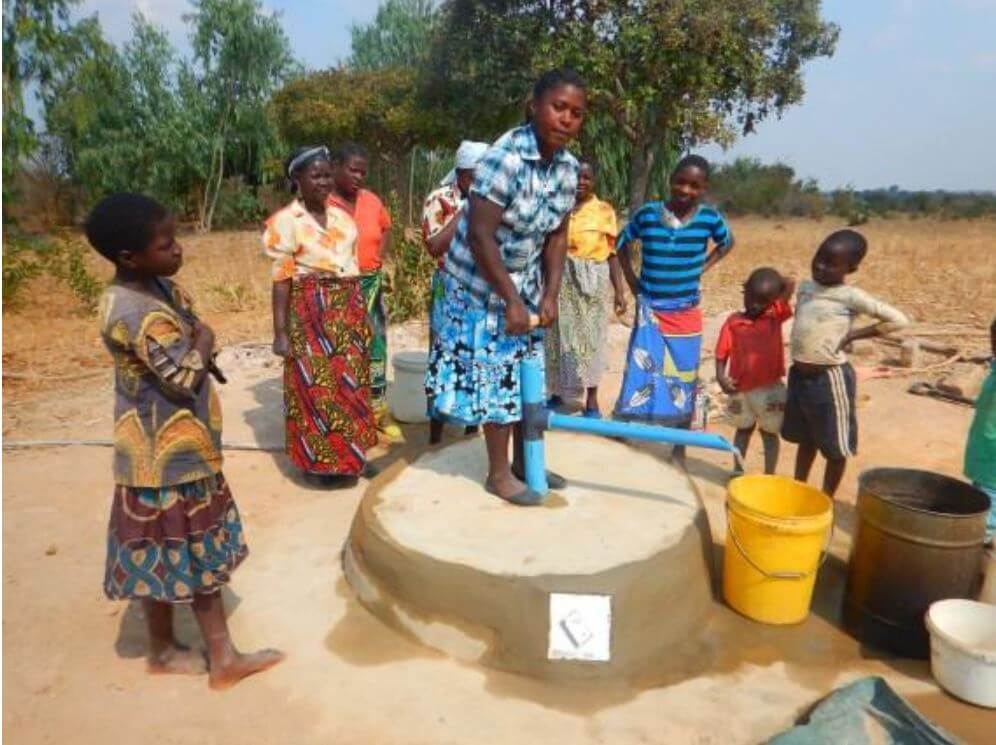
x=750, y=361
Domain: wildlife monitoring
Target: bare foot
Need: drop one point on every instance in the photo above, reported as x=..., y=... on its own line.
x=177, y=659
x=242, y=666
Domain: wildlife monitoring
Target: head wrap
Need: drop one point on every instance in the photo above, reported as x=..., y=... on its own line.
x=468, y=155
x=306, y=157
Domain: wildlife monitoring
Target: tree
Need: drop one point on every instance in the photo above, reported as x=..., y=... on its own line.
x=242, y=55
x=398, y=36
x=35, y=36
x=669, y=73
x=377, y=108
x=127, y=119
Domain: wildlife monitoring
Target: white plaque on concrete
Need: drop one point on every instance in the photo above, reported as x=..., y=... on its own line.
x=580, y=627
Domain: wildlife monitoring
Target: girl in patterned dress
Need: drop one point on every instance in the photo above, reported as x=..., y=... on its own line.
x=504, y=264
x=175, y=535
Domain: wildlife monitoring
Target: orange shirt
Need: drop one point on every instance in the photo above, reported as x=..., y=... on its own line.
x=372, y=221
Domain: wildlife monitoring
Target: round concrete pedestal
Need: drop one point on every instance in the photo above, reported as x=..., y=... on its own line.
x=434, y=555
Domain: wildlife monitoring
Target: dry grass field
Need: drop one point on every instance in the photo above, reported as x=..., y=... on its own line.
x=939, y=272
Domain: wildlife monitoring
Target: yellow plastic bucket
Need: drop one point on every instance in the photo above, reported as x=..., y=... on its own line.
x=777, y=535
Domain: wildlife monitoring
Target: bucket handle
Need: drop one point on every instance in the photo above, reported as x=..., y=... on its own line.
x=824, y=553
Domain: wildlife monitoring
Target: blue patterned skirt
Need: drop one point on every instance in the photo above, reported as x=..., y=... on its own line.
x=473, y=373
x=168, y=543
x=662, y=364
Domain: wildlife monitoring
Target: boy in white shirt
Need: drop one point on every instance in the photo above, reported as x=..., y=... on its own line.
x=820, y=412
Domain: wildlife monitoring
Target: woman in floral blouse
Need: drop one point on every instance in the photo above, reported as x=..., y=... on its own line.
x=320, y=324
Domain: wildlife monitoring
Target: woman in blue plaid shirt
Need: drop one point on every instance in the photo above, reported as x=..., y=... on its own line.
x=505, y=264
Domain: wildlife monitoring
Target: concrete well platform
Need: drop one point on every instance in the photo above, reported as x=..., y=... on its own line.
x=435, y=556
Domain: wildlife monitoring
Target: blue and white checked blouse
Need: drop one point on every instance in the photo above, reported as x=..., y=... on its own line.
x=535, y=195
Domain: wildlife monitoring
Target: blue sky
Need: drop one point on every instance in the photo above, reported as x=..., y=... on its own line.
x=908, y=99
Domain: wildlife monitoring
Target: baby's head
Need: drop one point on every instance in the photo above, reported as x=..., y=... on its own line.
x=136, y=233
x=839, y=255
x=761, y=289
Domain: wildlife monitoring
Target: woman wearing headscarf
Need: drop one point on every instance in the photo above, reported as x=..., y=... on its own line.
x=320, y=324
x=373, y=225
x=439, y=222
x=575, y=346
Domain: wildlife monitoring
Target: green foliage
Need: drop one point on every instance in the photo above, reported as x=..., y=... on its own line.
x=62, y=256
x=238, y=205
x=747, y=186
x=411, y=269
x=139, y=118
x=22, y=262
x=117, y=121
x=399, y=36
x=242, y=55
x=377, y=108
x=35, y=37
x=411, y=276
x=668, y=74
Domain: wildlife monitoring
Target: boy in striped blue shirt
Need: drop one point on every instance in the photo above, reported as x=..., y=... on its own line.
x=662, y=363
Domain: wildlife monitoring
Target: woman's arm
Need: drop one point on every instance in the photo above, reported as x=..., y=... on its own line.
x=437, y=245
x=485, y=217
x=281, y=304
x=385, y=244
x=554, y=253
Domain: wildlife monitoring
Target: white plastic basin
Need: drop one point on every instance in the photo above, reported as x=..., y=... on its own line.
x=963, y=649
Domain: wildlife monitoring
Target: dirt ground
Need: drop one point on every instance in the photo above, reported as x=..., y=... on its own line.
x=72, y=661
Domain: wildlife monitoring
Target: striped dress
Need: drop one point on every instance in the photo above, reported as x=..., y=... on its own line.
x=664, y=349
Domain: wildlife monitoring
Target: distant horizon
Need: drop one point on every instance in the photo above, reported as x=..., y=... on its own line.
x=900, y=103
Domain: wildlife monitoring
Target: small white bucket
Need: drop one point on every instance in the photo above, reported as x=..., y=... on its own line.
x=988, y=593
x=963, y=649
x=407, y=395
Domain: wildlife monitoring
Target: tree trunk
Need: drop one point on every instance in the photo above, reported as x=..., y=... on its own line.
x=217, y=187
x=641, y=161
x=212, y=188
x=205, y=197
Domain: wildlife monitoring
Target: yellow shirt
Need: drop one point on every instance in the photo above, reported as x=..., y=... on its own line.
x=592, y=231
x=298, y=245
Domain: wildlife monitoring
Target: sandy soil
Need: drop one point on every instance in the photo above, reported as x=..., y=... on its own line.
x=73, y=668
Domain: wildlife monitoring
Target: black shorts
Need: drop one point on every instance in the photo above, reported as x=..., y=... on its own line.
x=820, y=411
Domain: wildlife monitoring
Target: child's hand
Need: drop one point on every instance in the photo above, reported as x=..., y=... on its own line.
x=620, y=303
x=728, y=384
x=845, y=344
